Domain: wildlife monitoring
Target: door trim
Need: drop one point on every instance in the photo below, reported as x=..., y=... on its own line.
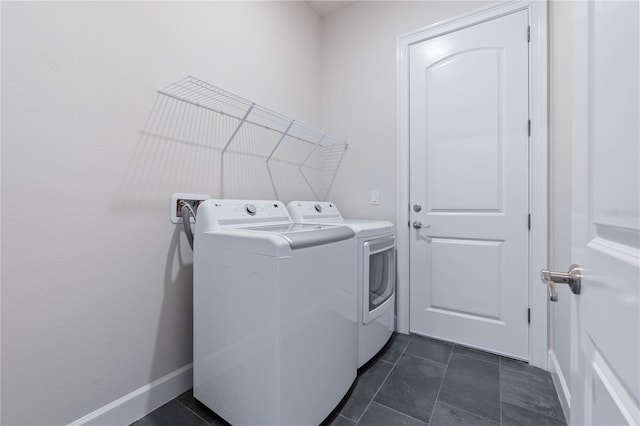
x=537, y=161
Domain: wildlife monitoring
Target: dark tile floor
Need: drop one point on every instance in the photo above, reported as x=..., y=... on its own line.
x=418, y=381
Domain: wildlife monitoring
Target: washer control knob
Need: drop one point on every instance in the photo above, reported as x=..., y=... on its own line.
x=318, y=207
x=250, y=209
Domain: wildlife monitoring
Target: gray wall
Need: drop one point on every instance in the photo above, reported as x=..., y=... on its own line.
x=96, y=282
x=560, y=179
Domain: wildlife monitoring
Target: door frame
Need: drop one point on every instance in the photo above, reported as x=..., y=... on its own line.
x=538, y=108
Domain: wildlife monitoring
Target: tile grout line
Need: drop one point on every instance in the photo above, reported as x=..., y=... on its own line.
x=500, y=386
x=467, y=411
x=426, y=359
x=340, y=415
x=518, y=371
x=396, y=411
x=446, y=368
x=479, y=359
x=385, y=379
x=193, y=412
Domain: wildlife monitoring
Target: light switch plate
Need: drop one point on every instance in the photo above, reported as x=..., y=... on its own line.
x=375, y=198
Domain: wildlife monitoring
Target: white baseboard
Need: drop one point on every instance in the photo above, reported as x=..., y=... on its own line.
x=142, y=401
x=560, y=384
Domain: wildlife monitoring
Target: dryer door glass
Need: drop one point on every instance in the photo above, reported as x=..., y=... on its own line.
x=380, y=279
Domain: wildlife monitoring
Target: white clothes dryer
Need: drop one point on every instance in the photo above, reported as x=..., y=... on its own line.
x=376, y=271
x=274, y=314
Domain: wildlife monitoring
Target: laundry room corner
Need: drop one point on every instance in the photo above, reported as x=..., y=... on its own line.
x=96, y=280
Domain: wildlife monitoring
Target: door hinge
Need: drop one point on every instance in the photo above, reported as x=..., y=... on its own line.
x=529, y=127
x=528, y=315
x=529, y=34
x=529, y=222
x=409, y=224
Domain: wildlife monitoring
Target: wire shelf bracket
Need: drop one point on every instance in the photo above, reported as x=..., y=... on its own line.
x=273, y=151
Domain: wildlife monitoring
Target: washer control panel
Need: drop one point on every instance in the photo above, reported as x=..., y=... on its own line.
x=238, y=212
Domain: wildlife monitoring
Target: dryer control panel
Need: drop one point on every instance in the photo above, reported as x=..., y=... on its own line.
x=302, y=211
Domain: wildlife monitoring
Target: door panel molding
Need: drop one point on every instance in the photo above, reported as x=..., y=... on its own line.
x=537, y=160
x=605, y=316
x=446, y=76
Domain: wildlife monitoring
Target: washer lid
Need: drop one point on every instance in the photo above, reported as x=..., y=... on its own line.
x=300, y=235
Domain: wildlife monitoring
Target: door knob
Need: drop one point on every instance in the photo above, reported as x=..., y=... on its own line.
x=418, y=225
x=572, y=278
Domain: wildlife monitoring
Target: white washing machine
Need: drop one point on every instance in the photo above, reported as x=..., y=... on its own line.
x=274, y=314
x=376, y=271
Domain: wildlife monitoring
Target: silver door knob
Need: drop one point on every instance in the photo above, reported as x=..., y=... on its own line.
x=418, y=225
x=572, y=278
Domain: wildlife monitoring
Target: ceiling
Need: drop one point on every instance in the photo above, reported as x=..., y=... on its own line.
x=327, y=7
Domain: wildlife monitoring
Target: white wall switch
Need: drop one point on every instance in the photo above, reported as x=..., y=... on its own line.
x=375, y=198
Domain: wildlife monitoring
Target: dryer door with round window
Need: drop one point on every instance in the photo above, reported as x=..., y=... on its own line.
x=378, y=277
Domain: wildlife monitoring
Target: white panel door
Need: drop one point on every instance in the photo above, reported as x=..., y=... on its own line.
x=605, y=316
x=469, y=186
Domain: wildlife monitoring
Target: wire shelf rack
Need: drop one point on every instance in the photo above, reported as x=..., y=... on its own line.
x=324, y=152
